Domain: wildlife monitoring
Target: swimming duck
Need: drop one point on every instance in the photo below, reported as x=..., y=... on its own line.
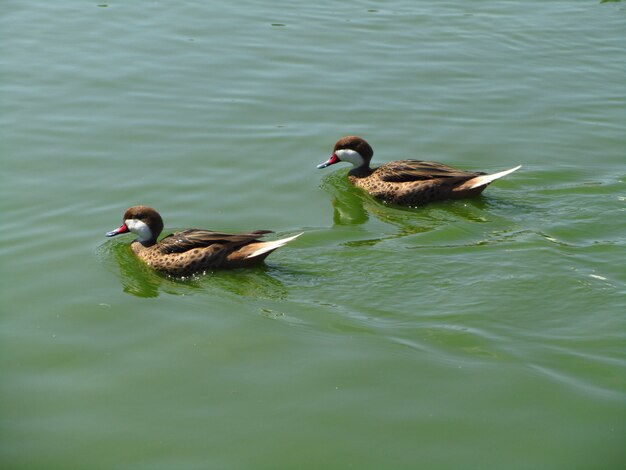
x=407, y=182
x=192, y=250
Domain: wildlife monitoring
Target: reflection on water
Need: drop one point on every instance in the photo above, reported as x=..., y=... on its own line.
x=353, y=206
x=140, y=280
x=255, y=282
x=348, y=201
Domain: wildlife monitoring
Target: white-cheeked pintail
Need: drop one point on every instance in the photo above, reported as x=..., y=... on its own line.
x=192, y=250
x=407, y=182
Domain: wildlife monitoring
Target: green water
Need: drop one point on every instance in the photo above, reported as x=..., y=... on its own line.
x=485, y=333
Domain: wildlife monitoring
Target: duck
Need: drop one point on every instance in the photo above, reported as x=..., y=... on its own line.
x=407, y=182
x=192, y=251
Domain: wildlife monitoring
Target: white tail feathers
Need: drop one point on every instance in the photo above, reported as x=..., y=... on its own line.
x=484, y=180
x=266, y=247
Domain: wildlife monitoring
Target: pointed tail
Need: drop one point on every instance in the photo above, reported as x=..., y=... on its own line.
x=267, y=247
x=484, y=180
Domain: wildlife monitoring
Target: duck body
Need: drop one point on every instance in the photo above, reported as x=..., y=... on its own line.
x=407, y=182
x=414, y=182
x=193, y=250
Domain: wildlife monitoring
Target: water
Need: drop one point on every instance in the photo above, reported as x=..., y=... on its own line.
x=485, y=333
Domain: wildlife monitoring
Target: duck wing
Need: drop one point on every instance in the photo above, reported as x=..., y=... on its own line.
x=403, y=171
x=185, y=240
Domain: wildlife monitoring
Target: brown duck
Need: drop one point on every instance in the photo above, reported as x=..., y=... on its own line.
x=192, y=250
x=407, y=182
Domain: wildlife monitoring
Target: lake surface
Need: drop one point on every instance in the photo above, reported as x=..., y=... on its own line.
x=484, y=333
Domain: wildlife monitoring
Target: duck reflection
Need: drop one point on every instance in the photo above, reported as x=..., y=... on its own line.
x=352, y=206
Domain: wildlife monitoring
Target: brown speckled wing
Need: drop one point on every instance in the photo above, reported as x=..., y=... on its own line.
x=185, y=240
x=402, y=171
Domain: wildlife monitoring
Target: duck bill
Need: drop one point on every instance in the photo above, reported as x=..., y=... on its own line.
x=117, y=231
x=331, y=161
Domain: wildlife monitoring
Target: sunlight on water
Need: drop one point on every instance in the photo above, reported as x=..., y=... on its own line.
x=477, y=333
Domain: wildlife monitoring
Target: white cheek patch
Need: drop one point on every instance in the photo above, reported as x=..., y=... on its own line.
x=349, y=155
x=140, y=229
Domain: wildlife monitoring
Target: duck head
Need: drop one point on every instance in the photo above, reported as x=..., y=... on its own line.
x=143, y=221
x=350, y=149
